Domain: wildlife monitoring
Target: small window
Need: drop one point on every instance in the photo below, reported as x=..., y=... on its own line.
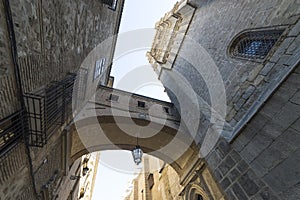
x=141, y=104
x=166, y=109
x=199, y=197
x=254, y=44
x=113, y=97
x=151, y=180
x=99, y=68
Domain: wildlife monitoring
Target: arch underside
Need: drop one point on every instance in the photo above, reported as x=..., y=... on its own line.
x=111, y=133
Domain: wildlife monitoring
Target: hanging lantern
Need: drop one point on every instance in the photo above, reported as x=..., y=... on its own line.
x=137, y=154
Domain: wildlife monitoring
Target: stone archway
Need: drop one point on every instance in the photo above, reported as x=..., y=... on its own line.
x=111, y=137
x=195, y=192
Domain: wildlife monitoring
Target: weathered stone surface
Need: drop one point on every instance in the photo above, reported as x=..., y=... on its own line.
x=248, y=185
x=267, y=68
x=243, y=139
x=284, y=118
x=286, y=174
x=52, y=39
x=226, y=165
x=279, y=150
x=213, y=160
x=240, y=194
x=281, y=49
x=291, y=193
x=259, y=121
x=296, y=98
x=295, y=30
x=234, y=175
x=293, y=48
x=218, y=175
x=239, y=104
x=225, y=183
x=296, y=125
x=230, y=195
x=260, y=142
x=223, y=148
x=235, y=156
x=266, y=194
x=242, y=166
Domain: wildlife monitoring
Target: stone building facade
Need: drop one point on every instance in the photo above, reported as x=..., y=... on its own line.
x=238, y=63
x=89, y=172
x=230, y=68
x=165, y=183
x=43, y=44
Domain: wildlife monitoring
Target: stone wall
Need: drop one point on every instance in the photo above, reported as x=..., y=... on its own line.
x=52, y=38
x=168, y=185
x=262, y=161
x=15, y=179
x=245, y=81
x=257, y=154
x=9, y=102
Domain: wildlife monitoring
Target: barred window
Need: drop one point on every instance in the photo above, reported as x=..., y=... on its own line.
x=254, y=44
x=113, y=97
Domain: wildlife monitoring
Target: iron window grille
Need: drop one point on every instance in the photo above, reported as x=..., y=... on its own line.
x=254, y=45
x=48, y=109
x=11, y=131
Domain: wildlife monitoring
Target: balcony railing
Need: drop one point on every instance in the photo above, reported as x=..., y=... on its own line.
x=48, y=109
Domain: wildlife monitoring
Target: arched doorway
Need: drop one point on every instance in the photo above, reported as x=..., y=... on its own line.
x=195, y=192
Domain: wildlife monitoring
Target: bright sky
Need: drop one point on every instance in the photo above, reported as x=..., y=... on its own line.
x=116, y=168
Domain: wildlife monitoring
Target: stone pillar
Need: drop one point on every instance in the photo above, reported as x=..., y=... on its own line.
x=147, y=190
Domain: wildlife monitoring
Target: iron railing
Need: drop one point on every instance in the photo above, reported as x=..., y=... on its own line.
x=48, y=109
x=11, y=131
x=255, y=44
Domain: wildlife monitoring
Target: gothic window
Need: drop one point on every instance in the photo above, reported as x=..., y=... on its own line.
x=254, y=45
x=199, y=197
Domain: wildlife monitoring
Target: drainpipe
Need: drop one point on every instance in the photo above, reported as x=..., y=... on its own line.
x=14, y=54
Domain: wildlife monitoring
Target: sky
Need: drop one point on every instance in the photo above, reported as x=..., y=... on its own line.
x=116, y=168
